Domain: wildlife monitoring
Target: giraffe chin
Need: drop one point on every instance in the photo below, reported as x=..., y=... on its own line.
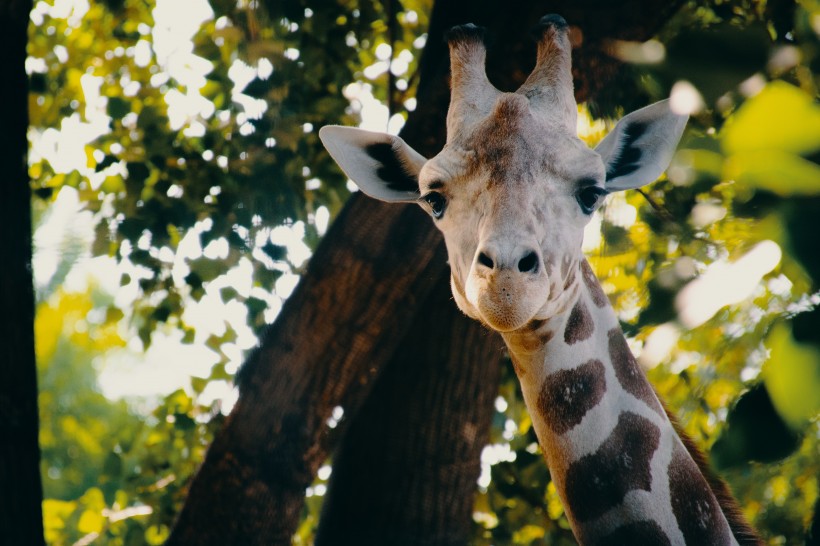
x=503, y=323
x=507, y=309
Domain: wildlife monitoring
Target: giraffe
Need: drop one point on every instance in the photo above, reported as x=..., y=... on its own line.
x=511, y=193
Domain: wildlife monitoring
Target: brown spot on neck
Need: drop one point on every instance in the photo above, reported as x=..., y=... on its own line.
x=742, y=531
x=520, y=371
x=567, y=395
x=695, y=507
x=598, y=482
x=629, y=374
x=596, y=293
x=579, y=325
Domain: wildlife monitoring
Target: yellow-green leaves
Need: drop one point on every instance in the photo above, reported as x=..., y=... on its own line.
x=92, y=519
x=792, y=377
x=764, y=141
x=55, y=514
x=776, y=171
x=780, y=117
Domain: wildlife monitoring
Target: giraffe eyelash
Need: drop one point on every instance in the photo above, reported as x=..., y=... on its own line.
x=437, y=203
x=589, y=197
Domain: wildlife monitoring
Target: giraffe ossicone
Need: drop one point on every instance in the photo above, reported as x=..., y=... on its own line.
x=511, y=191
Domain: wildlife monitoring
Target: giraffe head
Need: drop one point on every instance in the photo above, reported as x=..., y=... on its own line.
x=514, y=186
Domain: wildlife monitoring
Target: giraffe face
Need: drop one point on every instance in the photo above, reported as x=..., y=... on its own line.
x=511, y=197
x=514, y=186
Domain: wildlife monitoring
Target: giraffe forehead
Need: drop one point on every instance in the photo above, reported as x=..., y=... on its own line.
x=507, y=142
x=512, y=145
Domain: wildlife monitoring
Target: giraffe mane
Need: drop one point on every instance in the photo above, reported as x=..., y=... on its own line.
x=743, y=532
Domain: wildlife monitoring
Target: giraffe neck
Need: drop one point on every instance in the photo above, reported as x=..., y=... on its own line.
x=620, y=468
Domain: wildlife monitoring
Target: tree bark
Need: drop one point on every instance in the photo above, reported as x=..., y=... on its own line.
x=21, y=518
x=407, y=468
x=372, y=329
x=335, y=333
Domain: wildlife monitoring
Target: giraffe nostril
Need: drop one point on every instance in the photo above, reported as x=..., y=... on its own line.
x=529, y=263
x=485, y=260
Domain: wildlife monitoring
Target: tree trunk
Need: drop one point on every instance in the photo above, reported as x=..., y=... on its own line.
x=21, y=518
x=407, y=468
x=335, y=333
x=373, y=313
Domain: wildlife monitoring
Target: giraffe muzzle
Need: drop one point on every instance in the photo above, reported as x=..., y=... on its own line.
x=507, y=289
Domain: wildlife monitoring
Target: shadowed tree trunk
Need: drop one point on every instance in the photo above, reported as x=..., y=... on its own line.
x=21, y=519
x=343, y=324
x=410, y=458
x=374, y=313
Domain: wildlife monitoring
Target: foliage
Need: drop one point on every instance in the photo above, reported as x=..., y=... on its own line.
x=192, y=159
x=107, y=472
x=187, y=153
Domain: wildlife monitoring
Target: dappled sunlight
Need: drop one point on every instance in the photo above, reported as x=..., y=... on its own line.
x=64, y=220
x=165, y=367
x=659, y=345
x=685, y=99
x=725, y=284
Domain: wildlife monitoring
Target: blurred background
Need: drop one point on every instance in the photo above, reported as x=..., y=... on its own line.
x=180, y=190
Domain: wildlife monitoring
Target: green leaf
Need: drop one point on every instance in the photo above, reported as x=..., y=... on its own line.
x=215, y=342
x=754, y=432
x=228, y=293
x=276, y=252
x=779, y=172
x=91, y=521
x=206, y=269
x=118, y=107
x=219, y=372
x=157, y=534
x=112, y=467
x=73, y=179
x=189, y=336
x=102, y=241
x=780, y=117
x=199, y=384
x=183, y=421
x=792, y=377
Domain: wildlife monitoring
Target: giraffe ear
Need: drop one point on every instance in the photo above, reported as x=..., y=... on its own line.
x=383, y=166
x=641, y=146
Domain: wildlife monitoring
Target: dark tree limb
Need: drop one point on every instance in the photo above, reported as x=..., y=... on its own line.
x=21, y=518
x=336, y=332
x=373, y=312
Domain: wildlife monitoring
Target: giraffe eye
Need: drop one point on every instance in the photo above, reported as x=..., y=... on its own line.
x=437, y=203
x=589, y=197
